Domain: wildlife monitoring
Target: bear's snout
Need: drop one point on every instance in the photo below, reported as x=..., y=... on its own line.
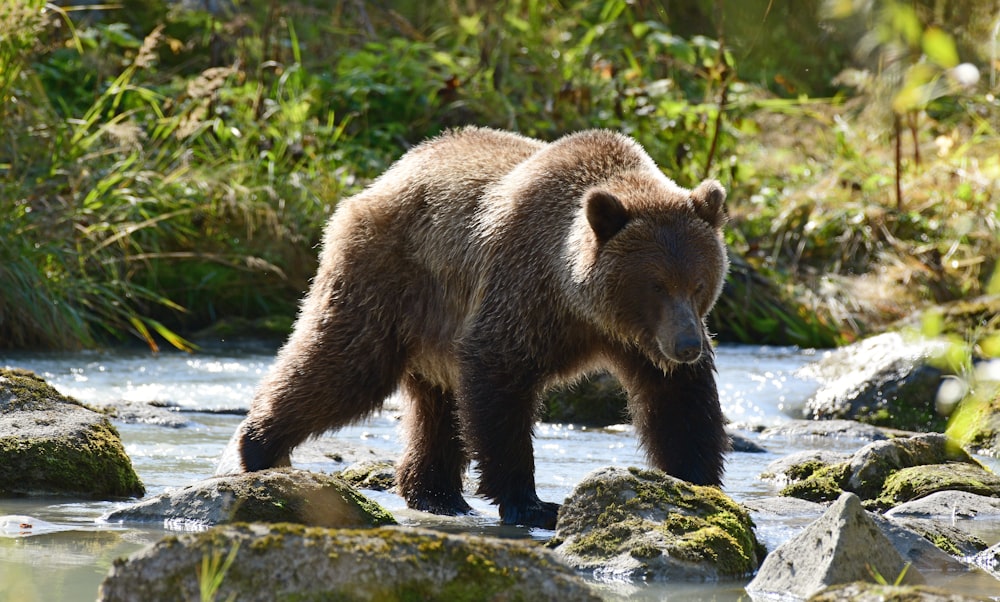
x=679, y=334
x=687, y=349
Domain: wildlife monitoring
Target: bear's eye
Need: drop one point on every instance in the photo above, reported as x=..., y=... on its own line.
x=658, y=288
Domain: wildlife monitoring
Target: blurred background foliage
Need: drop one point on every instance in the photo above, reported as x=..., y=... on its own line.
x=168, y=165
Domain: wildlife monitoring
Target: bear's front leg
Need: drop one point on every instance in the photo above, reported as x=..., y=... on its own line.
x=677, y=416
x=498, y=402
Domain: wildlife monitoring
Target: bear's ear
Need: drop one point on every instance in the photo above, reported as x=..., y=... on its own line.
x=710, y=202
x=605, y=213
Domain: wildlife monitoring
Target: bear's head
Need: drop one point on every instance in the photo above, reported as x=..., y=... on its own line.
x=657, y=262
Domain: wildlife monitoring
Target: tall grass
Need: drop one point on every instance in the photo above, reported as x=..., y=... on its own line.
x=166, y=169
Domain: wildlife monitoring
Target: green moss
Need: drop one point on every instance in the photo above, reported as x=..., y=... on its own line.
x=822, y=485
x=693, y=522
x=919, y=481
x=91, y=463
x=804, y=470
x=24, y=390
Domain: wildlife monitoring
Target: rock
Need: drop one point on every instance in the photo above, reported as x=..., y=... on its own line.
x=292, y=562
x=645, y=525
x=743, y=444
x=950, y=540
x=948, y=505
x=277, y=495
x=989, y=560
x=783, y=507
x=849, y=430
x=874, y=592
x=597, y=400
x=866, y=472
x=916, y=482
x=842, y=546
x=920, y=552
x=136, y=412
x=377, y=475
x=51, y=444
x=796, y=467
x=884, y=380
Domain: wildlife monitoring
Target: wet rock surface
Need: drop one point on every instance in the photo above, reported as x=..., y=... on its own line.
x=949, y=505
x=135, y=412
x=888, y=379
x=644, y=525
x=51, y=444
x=842, y=546
x=289, y=562
x=871, y=471
x=278, y=495
x=846, y=430
x=874, y=592
x=377, y=475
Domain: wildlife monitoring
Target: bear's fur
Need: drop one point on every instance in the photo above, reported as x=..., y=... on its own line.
x=482, y=267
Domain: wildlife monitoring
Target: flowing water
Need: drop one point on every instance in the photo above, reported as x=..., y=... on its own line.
x=68, y=549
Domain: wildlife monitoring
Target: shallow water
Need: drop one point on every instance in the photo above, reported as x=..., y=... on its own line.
x=68, y=548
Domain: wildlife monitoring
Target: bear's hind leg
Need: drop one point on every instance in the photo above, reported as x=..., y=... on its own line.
x=335, y=369
x=678, y=418
x=430, y=473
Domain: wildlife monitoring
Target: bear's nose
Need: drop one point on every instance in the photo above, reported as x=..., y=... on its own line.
x=687, y=349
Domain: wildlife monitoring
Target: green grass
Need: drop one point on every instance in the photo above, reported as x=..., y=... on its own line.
x=161, y=170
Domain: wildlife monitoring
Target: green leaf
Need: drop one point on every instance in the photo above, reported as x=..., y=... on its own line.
x=939, y=47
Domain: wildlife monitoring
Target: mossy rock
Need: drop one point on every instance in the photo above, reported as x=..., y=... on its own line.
x=51, y=444
x=818, y=483
x=377, y=475
x=918, y=481
x=871, y=592
x=597, y=400
x=646, y=525
x=388, y=564
x=867, y=471
x=273, y=496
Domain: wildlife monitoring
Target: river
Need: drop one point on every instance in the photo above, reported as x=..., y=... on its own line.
x=69, y=548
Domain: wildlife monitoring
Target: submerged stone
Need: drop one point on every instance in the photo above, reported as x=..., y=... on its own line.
x=51, y=444
x=273, y=496
x=258, y=562
x=645, y=525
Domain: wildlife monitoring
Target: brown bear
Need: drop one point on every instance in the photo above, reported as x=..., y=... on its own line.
x=481, y=268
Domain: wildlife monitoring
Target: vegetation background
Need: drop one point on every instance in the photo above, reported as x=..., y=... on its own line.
x=168, y=166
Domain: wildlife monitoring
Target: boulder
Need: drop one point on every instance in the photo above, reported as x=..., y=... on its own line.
x=915, y=482
x=277, y=495
x=51, y=444
x=948, y=505
x=597, y=400
x=922, y=553
x=377, y=475
x=989, y=560
x=887, y=380
x=945, y=537
x=138, y=412
x=867, y=470
x=805, y=430
x=800, y=465
x=842, y=546
x=645, y=525
x=874, y=592
x=260, y=562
